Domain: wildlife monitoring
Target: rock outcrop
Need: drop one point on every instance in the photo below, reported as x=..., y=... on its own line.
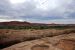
x=10, y=37
x=61, y=42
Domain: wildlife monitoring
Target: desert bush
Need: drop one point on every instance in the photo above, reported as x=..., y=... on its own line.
x=34, y=27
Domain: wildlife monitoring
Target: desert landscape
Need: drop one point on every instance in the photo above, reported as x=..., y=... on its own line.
x=46, y=37
x=37, y=24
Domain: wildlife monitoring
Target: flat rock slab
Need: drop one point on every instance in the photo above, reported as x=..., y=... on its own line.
x=61, y=42
x=40, y=47
x=67, y=44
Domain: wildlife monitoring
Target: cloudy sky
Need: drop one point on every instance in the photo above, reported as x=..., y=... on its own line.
x=41, y=11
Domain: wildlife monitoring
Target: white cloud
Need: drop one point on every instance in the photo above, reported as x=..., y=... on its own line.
x=17, y=1
x=36, y=9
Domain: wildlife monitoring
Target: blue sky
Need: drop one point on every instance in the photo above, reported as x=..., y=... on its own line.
x=40, y=11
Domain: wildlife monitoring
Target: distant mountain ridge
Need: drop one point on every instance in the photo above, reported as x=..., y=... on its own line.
x=25, y=23
x=15, y=23
x=18, y=23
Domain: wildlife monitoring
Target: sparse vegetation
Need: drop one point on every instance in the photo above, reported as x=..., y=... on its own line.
x=35, y=27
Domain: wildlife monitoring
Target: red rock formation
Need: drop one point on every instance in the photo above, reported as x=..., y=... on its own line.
x=15, y=23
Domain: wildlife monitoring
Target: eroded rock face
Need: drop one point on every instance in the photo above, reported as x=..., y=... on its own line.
x=67, y=44
x=61, y=42
x=10, y=37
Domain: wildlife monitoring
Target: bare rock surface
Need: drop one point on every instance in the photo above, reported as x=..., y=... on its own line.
x=9, y=37
x=61, y=42
x=67, y=44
